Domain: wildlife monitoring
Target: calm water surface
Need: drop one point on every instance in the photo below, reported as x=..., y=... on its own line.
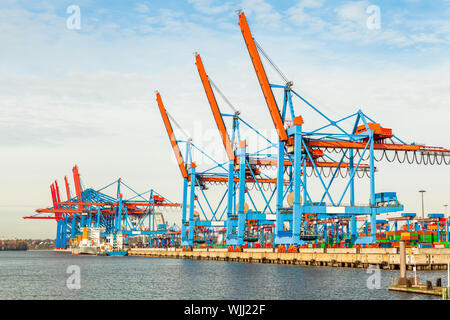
x=43, y=275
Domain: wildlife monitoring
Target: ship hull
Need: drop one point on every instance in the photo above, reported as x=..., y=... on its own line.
x=84, y=251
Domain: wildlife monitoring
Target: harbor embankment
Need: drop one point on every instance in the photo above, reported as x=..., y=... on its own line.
x=384, y=258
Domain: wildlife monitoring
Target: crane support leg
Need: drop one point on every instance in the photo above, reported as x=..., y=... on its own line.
x=297, y=210
x=230, y=222
x=241, y=212
x=280, y=186
x=191, y=208
x=184, y=220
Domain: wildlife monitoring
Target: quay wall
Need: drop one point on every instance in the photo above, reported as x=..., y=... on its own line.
x=423, y=259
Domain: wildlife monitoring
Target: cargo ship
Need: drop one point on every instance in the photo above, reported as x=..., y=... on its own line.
x=118, y=249
x=88, y=242
x=113, y=247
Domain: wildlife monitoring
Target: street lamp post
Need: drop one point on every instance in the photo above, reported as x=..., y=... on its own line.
x=446, y=229
x=423, y=216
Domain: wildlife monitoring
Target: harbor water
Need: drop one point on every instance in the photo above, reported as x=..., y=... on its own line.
x=50, y=275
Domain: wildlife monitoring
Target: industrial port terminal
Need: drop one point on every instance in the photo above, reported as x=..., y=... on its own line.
x=268, y=209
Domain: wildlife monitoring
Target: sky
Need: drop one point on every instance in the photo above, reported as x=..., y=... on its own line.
x=85, y=95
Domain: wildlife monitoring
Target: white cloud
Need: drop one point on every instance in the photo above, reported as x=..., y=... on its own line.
x=401, y=32
x=353, y=12
x=208, y=7
x=308, y=22
x=262, y=13
x=142, y=8
x=351, y=22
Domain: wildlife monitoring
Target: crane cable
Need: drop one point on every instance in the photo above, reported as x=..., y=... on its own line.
x=421, y=158
x=177, y=125
x=424, y=159
x=281, y=74
x=222, y=95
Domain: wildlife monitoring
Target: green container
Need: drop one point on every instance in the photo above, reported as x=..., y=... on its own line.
x=445, y=244
x=426, y=238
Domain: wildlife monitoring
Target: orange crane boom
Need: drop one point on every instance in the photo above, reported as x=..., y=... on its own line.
x=67, y=188
x=76, y=179
x=262, y=77
x=214, y=107
x=172, y=139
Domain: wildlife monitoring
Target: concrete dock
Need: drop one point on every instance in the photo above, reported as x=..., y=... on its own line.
x=423, y=259
x=435, y=291
x=62, y=250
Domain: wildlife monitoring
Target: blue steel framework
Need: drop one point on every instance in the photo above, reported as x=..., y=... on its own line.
x=363, y=137
x=296, y=150
x=235, y=175
x=132, y=216
x=241, y=226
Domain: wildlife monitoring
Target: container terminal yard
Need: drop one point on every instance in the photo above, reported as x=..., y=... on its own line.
x=266, y=212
